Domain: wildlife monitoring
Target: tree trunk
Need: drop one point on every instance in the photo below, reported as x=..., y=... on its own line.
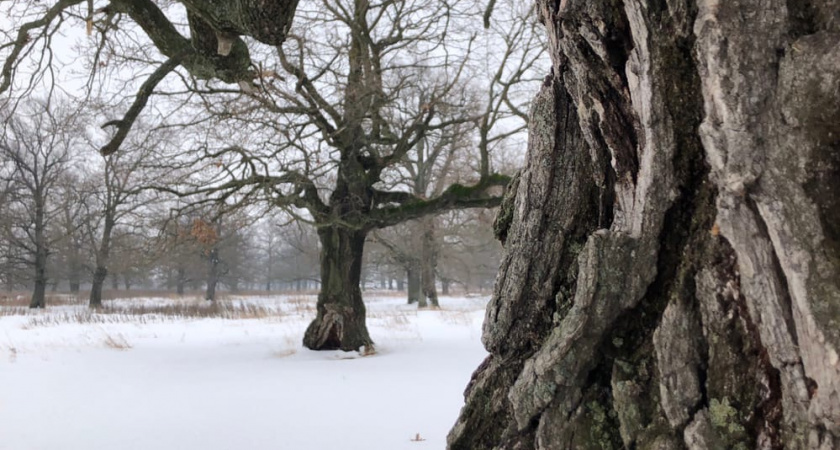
x=428, y=261
x=415, y=286
x=340, y=320
x=99, y=275
x=671, y=276
x=39, y=292
x=212, y=275
x=103, y=256
x=74, y=274
x=115, y=281
x=38, y=299
x=181, y=280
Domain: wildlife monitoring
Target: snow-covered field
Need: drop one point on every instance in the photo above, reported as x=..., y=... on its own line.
x=237, y=379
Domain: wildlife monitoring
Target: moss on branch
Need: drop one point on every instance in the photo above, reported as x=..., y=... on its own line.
x=456, y=196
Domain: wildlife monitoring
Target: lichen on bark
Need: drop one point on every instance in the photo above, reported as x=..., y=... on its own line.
x=703, y=312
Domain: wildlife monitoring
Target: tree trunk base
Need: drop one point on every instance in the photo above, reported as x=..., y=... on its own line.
x=338, y=328
x=38, y=296
x=95, y=299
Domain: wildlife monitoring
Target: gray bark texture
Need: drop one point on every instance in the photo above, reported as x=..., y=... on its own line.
x=340, y=320
x=428, y=256
x=672, y=269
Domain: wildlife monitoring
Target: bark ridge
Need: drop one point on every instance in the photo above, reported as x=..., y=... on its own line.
x=672, y=268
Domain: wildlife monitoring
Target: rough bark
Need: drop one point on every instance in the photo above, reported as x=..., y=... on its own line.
x=103, y=257
x=672, y=269
x=340, y=320
x=39, y=292
x=214, y=48
x=428, y=258
x=99, y=275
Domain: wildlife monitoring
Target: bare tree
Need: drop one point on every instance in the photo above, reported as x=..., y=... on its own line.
x=119, y=198
x=70, y=256
x=223, y=249
x=354, y=99
x=37, y=146
x=300, y=256
x=10, y=258
x=469, y=253
x=402, y=244
x=288, y=254
x=214, y=49
x=348, y=113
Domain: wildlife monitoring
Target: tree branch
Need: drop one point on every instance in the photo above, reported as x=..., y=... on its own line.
x=146, y=90
x=202, y=59
x=456, y=196
x=23, y=38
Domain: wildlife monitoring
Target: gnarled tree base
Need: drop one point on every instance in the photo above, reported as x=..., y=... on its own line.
x=340, y=323
x=338, y=328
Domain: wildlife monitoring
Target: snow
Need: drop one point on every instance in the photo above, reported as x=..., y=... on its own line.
x=69, y=380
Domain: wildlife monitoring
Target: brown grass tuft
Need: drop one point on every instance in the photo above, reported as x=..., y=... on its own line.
x=118, y=342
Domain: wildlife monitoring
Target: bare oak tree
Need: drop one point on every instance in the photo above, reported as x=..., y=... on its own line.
x=118, y=198
x=36, y=147
x=369, y=85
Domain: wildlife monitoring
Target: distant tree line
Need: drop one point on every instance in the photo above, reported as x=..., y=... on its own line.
x=72, y=221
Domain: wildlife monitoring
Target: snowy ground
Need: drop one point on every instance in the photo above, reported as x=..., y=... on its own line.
x=236, y=380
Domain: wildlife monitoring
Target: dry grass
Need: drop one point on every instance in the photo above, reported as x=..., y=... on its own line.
x=14, y=311
x=399, y=322
x=220, y=309
x=301, y=304
x=21, y=299
x=149, y=312
x=456, y=317
x=273, y=293
x=118, y=342
x=158, y=307
x=392, y=319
